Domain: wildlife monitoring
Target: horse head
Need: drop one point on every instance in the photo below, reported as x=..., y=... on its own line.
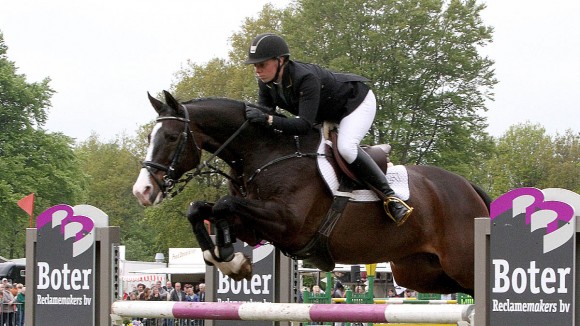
x=182, y=131
x=171, y=152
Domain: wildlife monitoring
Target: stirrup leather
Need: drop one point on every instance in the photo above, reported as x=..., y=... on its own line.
x=399, y=200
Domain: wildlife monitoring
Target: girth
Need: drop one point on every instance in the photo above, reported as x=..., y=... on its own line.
x=317, y=250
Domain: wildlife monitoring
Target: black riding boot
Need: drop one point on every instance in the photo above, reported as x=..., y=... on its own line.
x=369, y=172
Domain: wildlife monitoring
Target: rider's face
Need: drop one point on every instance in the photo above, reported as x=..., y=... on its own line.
x=266, y=70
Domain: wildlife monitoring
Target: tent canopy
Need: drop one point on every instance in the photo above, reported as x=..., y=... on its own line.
x=191, y=269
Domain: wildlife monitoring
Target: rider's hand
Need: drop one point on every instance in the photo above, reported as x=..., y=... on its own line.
x=256, y=116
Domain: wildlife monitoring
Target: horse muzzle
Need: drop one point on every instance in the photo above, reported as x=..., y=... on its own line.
x=145, y=191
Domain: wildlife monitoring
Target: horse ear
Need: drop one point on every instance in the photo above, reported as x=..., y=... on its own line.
x=171, y=101
x=157, y=105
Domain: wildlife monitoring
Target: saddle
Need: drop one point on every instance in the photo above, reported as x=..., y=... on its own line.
x=379, y=154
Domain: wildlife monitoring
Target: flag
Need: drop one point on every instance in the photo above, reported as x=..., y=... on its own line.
x=27, y=204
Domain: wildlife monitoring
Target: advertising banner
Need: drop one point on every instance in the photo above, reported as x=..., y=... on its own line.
x=532, y=257
x=65, y=265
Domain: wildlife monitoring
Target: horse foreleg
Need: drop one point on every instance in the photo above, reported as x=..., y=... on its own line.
x=224, y=239
x=235, y=265
x=253, y=214
x=196, y=214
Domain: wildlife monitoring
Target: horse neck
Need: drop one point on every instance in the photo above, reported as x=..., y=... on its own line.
x=250, y=147
x=253, y=147
x=213, y=125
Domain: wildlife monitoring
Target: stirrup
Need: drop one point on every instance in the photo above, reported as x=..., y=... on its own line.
x=399, y=200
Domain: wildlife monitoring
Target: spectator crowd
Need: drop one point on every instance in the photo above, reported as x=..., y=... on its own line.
x=12, y=303
x=168, y=292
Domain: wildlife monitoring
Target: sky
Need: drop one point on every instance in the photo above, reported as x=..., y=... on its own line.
x=103, y=56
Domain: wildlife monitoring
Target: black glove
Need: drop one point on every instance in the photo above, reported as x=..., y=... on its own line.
x=256, y=116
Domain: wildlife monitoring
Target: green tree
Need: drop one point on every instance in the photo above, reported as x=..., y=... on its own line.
x=422, y=56
x=228, y=78
x=112, y=169
x=31, y=160
x=197, y=81
x=564, y=166
x=528, y=157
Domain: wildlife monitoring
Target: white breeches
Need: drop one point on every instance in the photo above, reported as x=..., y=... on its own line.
x=353, y=128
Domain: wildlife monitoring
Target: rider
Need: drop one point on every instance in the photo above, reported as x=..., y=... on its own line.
x=314, y=95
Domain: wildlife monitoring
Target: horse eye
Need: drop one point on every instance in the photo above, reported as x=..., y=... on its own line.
x=171, y=137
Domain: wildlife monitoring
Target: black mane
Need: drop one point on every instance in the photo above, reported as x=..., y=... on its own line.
x=229, y=100
x=204, y=99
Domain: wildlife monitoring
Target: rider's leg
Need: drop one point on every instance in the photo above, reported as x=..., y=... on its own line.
x=366, y=169
x=352, y=130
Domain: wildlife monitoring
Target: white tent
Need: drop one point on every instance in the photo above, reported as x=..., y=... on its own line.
x=181, y=261
x=192, y=269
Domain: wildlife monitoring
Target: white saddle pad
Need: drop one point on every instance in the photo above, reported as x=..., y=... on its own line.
x=396, y=176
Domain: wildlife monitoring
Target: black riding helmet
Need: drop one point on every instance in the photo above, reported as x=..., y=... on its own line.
x=266, y=46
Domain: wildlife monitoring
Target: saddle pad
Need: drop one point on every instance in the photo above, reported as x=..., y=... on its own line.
x=396, y=176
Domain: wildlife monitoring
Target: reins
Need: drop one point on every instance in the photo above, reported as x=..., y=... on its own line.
x=221, y=148
x=297, y=154
x=169, y=180
x=199, y=169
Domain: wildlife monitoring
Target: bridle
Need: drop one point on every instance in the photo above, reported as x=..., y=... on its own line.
x=169, y=179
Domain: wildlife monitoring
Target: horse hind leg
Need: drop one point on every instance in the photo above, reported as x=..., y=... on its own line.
x=237, y=266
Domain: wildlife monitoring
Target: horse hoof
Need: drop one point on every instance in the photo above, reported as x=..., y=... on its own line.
x=226, y=253
x=244, y=271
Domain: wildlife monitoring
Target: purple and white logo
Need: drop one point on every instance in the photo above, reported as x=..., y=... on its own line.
x=78, y=226
x=554, y=216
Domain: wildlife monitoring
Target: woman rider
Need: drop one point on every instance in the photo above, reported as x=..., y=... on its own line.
x=315, y=95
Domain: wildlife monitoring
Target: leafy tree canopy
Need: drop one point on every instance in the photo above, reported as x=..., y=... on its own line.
x=31, y=159
x=422, y=56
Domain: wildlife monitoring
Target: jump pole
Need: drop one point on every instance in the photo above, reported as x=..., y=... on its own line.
x=373, y=313
x=401, y=301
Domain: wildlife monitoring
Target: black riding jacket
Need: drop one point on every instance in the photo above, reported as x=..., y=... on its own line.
x=313, y=94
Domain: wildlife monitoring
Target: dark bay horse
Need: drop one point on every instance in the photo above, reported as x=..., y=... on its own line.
x=277, y=195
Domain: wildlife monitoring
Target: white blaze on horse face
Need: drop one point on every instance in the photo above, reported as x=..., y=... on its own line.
x=143, y=185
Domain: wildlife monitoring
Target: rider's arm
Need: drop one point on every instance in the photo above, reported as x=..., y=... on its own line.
x=264, y=97
x=309, y=99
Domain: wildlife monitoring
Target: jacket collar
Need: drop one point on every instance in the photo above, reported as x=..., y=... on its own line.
x=286, y=75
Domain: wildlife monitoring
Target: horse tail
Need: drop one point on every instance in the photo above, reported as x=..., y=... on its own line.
x=483, y=195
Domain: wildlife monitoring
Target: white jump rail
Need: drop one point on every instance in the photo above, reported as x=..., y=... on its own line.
x=369, y=313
